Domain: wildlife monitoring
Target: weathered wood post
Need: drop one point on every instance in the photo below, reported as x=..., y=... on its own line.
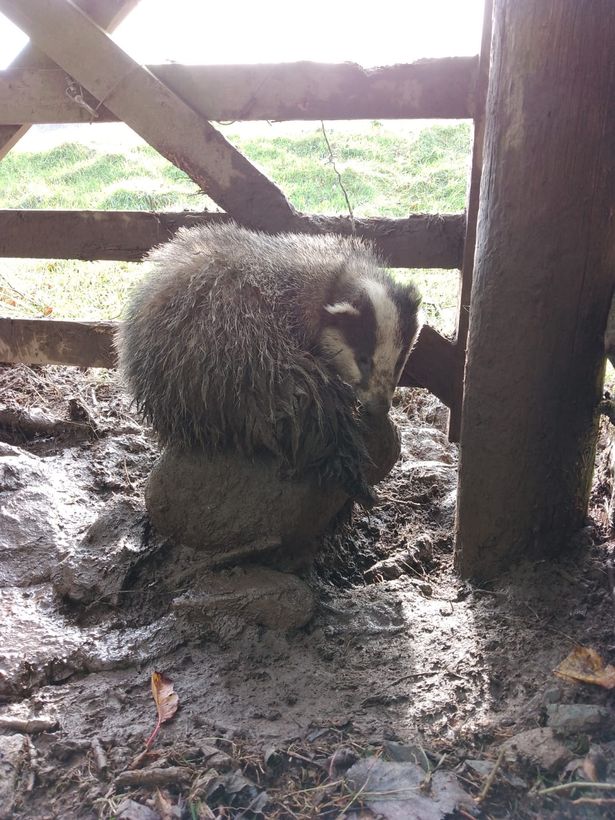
x=544, y=273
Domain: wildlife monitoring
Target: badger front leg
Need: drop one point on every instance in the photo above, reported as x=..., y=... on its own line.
x=348, y=457
x=319, y=431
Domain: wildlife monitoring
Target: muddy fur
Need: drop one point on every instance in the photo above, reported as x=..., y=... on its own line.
x=220, y=347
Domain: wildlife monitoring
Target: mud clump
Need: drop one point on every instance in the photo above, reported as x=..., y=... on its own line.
x=233, y=509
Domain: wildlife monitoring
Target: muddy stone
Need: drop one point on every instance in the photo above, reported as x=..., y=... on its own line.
x=97, y=568
x=232, y=508
x=250, y=594
x=574, y=718
x=11, y=751
x=397, y=791
x=38, y=645
x=538, y=746
x=131, y=810
x=30, y=544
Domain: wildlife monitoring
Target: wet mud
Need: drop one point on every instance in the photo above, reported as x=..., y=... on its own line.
x=389, y=650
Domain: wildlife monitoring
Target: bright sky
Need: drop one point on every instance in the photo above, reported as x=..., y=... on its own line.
x=246, y=31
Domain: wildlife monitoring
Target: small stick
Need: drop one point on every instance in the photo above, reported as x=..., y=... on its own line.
x=154, y=777
x=100, y=758
x=411, y=675
x=575, y=784
x=489, y=781
x=593, y=801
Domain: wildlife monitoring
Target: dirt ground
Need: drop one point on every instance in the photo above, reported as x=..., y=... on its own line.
x=410, y=694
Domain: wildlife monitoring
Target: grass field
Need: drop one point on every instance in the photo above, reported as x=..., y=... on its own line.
x=386, y=172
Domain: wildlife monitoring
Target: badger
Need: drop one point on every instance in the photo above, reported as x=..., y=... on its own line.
x=280, y=344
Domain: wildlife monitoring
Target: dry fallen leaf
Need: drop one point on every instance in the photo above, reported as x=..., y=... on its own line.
x=166, y=701
x=164, y=806
x=584, y=665
x=47, y=310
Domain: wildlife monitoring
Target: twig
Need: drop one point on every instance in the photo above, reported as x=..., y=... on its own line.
x=411, y=675
x=575, y=784
x=128, y=479
x=35, y=304
x=489, y=781
x=339, y=177
x=311, y=789
x=304, y=759
x=154, y=777
x=100, y=758
x=594, y=801
x=354, y=798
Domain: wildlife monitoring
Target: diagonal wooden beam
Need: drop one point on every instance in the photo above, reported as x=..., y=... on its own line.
x=106, y=13
x=133, y=94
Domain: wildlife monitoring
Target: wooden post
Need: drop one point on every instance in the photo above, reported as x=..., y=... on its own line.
x=467, y=267
x=544, y=272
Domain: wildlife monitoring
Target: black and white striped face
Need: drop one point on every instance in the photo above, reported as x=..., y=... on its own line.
x=368, y=339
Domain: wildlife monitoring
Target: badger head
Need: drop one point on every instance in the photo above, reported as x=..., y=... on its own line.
x=367, y=334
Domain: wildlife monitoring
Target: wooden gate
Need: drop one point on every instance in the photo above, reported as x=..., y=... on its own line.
x=172, y=107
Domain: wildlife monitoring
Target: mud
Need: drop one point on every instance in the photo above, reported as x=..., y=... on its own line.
x=231, y=509
x=398, y=650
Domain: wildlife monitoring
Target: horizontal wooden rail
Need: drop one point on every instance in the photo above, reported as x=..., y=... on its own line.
x=427, y=89
x=432, y=365
x=53, y=341
x=90, y=344
x=418, y=241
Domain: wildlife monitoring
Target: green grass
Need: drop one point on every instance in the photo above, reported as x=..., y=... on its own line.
x=385, y=173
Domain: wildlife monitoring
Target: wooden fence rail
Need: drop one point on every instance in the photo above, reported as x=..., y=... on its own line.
x=418, y=241
x=427, y=89
x=90, y=344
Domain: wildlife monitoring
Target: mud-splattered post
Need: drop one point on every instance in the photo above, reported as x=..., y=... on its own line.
x=544, y=272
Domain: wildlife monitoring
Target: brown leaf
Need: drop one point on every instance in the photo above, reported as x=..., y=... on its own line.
x=166, y=701
x=47, y=310
x=584, y=665
x=594, y=767
x=164, y=806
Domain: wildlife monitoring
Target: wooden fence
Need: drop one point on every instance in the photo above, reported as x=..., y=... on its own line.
x=75, y=73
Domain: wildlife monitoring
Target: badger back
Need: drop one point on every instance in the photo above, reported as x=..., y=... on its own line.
x=254, y=342
x=218, y=341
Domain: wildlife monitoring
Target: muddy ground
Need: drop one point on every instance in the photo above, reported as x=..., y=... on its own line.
x=410, y=694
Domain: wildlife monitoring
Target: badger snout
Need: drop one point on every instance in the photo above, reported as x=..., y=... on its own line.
x=376, y=405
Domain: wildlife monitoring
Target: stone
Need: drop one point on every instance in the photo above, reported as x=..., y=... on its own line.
x=577, y=718
x=131, y=810
x=540, y=747
x=402, y=562
x=11, y=753
x=250, y=594
x=39, y=645
x=232, y=508
x=33, y=516
x=97, y=568
x=393, y=790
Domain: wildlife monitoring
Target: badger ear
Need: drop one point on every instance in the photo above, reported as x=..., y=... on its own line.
x=342, y=309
